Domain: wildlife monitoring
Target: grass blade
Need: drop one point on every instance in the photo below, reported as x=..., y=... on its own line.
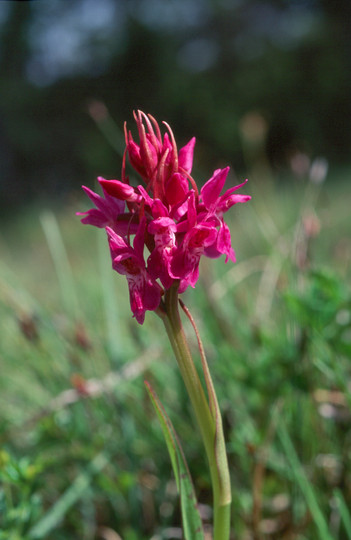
x=61, y=263
x=304, y=484
x=344, y=512
x=192, y=524
x=108, y=127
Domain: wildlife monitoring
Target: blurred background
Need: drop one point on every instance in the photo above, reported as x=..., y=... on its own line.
x=275, y=73
x=265, y=86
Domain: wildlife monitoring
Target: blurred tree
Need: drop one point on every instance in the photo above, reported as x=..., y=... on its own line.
x=14, y=40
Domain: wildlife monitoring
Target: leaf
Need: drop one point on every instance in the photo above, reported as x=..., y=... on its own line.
x=219, y=444
x=192, y=525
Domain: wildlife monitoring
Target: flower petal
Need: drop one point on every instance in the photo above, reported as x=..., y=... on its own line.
x=224, y=242
x=213, y=187
x=94, y=217
x=176, y=189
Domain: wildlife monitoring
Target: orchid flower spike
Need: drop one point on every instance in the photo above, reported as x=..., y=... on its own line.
x=166, y=213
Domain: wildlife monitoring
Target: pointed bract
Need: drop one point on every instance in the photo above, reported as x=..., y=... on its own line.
x=186, y=155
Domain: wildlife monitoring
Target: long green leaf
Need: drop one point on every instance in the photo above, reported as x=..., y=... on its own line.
x=220, y=449
x=192, y=525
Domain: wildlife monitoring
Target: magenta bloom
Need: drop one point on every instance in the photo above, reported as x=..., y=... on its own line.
x=144, y=292
x=106, y=212
x=167, y=215
x=163, y=230
x=216, y=205
x=185, y=262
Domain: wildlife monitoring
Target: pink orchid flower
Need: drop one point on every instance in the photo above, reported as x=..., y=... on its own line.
x=210, y=193
x=185, y=262
x=144, y=291
x=215, y=205
x=107, y=210
x=163, y=230
x=177, y=223
x=157, y=159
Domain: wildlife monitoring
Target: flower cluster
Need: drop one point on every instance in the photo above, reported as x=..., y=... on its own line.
x=167, y=215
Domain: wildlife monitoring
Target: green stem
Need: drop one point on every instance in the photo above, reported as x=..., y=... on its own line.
x=210, y=424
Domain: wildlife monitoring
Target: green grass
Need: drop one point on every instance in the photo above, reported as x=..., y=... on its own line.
x=81, y=449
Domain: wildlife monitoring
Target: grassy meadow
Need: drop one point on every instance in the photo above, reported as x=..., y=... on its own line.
x=82, y=455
